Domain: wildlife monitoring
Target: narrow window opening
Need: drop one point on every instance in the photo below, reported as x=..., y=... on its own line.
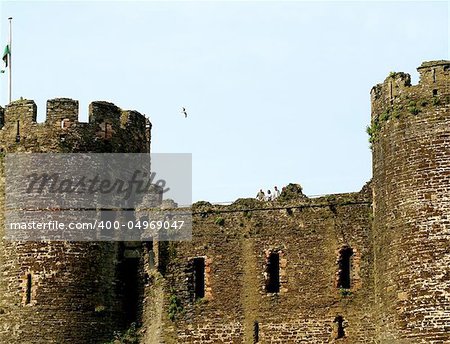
x=28, y=291
x=130, y=274
x=150, y=253
x=146, y=279
x=391, y=93
x=435, y=92
x=273, y=273
x=18, y=132
x=339, y=321
x=255, y=332
x=105, y=131
x=345, y=267
x=108, y=132
x=65, y=123
x=434, y=74
x=163, y=257
x=199, y=277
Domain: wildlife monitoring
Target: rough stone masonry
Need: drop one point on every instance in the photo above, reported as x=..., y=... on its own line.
x=364, y=267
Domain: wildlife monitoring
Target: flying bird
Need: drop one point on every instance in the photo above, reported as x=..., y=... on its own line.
x=183, y=111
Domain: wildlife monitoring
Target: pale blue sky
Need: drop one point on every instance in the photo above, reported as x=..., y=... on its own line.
x=277, y=92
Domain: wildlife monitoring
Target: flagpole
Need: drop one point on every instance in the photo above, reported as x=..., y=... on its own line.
x=9, y=60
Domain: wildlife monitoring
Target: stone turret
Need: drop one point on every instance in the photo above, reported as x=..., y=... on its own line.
x=66, y=292
x=411, y=165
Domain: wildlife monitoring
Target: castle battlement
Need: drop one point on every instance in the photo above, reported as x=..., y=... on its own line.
x=284, y=203
x=107, y=123
x=396, y=93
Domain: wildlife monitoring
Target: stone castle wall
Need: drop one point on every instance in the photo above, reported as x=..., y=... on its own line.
x=394, y=288
x=235, y=242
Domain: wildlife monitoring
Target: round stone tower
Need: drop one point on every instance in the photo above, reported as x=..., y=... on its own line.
x=64, y=292
x=410, y=135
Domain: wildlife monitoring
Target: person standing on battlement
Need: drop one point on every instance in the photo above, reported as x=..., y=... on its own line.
x=276, y=193
x=260, y=196
x=269, y=196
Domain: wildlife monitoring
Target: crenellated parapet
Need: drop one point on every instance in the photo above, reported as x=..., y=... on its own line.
x=396, y=94
x=434, y=75
x=109, y=127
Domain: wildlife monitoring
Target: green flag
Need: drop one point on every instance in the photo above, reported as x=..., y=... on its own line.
x=6, y=55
